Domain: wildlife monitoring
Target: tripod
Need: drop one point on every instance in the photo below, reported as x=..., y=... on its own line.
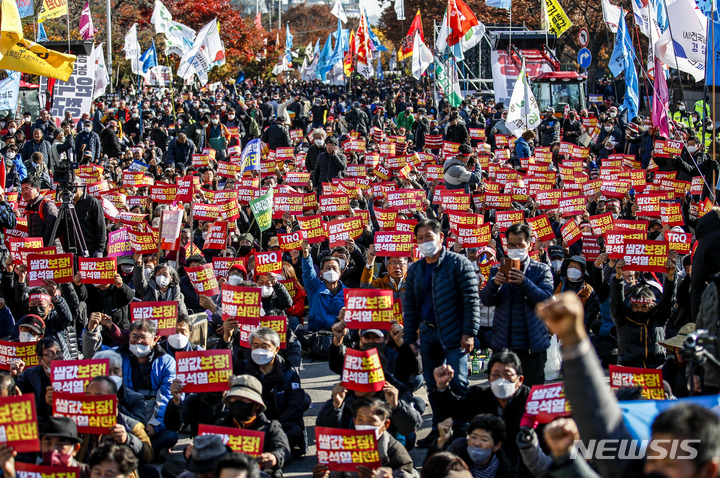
x=68, y=214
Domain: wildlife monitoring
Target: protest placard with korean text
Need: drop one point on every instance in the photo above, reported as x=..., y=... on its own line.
x=313, y=227
x=266, y=262
x=92, y=414
x=547, y=402
x=241, y=303
x=645, y=256
x=394, y=243
x=163, y=313
x=203, y=279
x=368, y=309
x=26, y=470
x=249, y=442
x=99, y=271
x=279, y=324
x=341, y=449
x=57, y=267
x=72, y=376
x=204, y=370
x=362, y=371
x=650, y=379
x=18, y=423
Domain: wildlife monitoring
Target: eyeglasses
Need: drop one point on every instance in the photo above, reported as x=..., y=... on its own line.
x=396, y=264
x=53, y=355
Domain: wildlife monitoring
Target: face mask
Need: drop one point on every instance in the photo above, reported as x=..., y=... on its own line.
x=428, y=249
x=244, y=250
x=55, y=458
x=12, y=130
x=178, y=341
x=369, y=427
x=215, y=121
x=343, y=263
x=479, y=455
x=38, y=310
x=127, y=269
x=380, y=346
x=148, y=272
x=242, y=411
x=612, y=115
x=140, y=350
x=267, y=291
x=502, y=388
x=318, y=143
x=557, y=265
x=331, y=276
x=262, y=356
x=118, y=381
x=204, y=235
x=196, y=104
x=135, y=115
x=232, y=117
x=234, y=280
x=11, y=155
x=162, y=281
x=608, y=128
x=574, y=274
x=681, y=107
x=691, y=149
x=27, y=337
x=517, y=254
x=27, y=120
x=653, y=235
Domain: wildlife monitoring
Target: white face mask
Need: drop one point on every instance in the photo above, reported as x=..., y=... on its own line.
x=608, y=128
x=231, y=117
x=162, y=281
x=369, y=427
x=691, y=149
x=26, y=337
x=135, y=115
x=502, y=388
x=140, y=350
x=343, y=263
x=318, y=142
x=517, y=254
x=574, y=274
x=118, y=381
x=215, y=121
x=88, y=129
x=267, y=291
x=12, y=130
x=234, y=280
x=11, y=155
x=204, y=235
x=262, y=356
x=331, y=276
x=557, y=265
x=178, y=341
x=612, y=115
x=428, y=249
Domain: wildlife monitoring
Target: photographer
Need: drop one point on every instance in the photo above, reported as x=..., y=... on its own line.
x=91, y=221
x=458, y=174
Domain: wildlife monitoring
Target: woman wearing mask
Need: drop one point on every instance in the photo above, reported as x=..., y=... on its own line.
x=572, y=278
x=317, y=147
x=162, y=285
x=36, y=380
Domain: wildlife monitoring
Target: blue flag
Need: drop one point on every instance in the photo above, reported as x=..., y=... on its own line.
x=712, y=75
x=623, y=53
x=706, y=6
x=373, y=37
x=325, y=55
x=341, y=45
x=378, y=70
x=638, y=415
x=250, y=158
x=41, y=35
x=288, y=44
x=632, y=95
x=25, y=8
x=506, y=4
x=149, y=58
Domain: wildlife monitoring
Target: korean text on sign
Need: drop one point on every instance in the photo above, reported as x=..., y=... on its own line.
x=344, y=450
x=204, y=370
x=279, y=324
x=93, y=414
x=203, y=279
x=11, y=351
x=394, y=243
x=368, y=309
x=362, y=371
x=249, y=442
x=547, y=402
x=18, y=423
x=26, y=470
x=72, y=376
x=163, y=313
x=649, y=379
x=240, y=302
x=97, y=270
x=58, y=268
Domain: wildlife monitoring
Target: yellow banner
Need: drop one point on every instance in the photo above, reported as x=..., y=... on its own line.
x=52, y=9
x=26, y=56
x=554, y=19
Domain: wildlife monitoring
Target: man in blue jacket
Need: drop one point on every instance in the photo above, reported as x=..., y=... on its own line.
x=441, y=307
x=325, y=295
x=515, y=295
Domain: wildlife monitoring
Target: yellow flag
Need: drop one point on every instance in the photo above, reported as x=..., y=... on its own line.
x=52, y=9
x=25, y=56
x=554, y=18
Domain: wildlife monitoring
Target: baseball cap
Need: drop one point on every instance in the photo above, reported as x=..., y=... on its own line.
x=33, y=322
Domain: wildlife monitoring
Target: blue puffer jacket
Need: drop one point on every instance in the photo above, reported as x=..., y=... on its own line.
x=324, y=307
x=520, y=300
x=455, y=298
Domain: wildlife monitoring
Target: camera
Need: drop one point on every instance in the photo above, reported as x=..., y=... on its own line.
x=694, y=347
x=64, y=174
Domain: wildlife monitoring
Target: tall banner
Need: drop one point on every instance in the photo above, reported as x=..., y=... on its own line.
x=9, y=91
x=448, y=80
x=160, y=76
x=52, y=9
x=75, y=94
x=523, y=112
x=505, y=74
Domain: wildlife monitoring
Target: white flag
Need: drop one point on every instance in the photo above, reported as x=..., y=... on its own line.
x=523, y=112
x=685, y=48
x=102, y=79
x=179, y=39
x=611, y=15
x=422, y=57
x=400, y=10
x=161, y=18
x=339, y=12
x=132, y=50
x=204, y=53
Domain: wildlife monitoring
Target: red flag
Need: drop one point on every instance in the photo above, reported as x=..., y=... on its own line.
x=258, y=21
x=460, y=19
x=349, y=60
x=2, y=173
x=406, y=49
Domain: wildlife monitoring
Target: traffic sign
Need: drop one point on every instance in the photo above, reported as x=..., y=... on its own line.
x=584, y=58
x=583, y=37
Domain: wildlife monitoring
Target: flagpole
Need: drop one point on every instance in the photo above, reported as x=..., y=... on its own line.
x=67, y=17
x=714, y=86
x=647, y=92
x=108, y=26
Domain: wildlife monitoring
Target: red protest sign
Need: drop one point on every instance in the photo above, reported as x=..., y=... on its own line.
x=362, y=371
x=335, y=204
x=340, y=230
x=203, y=279
x=72, y=376
x=291, y=203
x=474, y=236
x=601, y=223
x=547, y=402
x=101, y=271
x=678, y=241
x=278, y=323
x=368, y=309
x=143, y=242
x=216, y=236
x=58, y=268
x=505, y=219
x=291, y=241
x=26, y=470
x=394, y=243
x=266, y=262
x=205, y=212
x=650, y=379
x=344, y=450
x=591, y=249
x=671, y=214
x=163, y=193
x=572, y=206
x=221, y=265
x=18, y=424
x=541, y=228
x=645, y=256
x=162, y=313
x=204, y=370
x=92, y=414
x=649, y=204
x=250, y=442
x=570, y=233
x=313, y=227
x=240, y=302
x=12, y=351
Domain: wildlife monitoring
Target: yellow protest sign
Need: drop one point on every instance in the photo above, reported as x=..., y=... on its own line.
x=554, y=18
x=52, y=9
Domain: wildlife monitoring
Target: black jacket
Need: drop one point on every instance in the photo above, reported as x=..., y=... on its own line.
x=276, y=441
x=457, y=134
x=357, y=120
x=41, y=216
x=312, y=156
x=110, y=144
x=196, y=409
x=329, y=167
x=112, y=301
x=92, y=224
x=276, y=136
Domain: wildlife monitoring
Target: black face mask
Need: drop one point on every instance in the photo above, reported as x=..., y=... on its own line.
x=38, y=310
x=242, y=411
x=380, y=346
x=640, y=316
x=653, y=235
x=244, y=250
